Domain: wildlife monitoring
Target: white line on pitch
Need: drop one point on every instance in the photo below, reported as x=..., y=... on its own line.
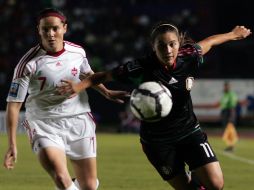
x=234, y=157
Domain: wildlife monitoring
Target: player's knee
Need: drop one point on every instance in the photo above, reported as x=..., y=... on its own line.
x=217, y=184
x=90, y=184
x=62, y=181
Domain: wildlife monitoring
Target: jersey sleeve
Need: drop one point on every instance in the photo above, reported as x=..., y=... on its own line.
x=85, y=67
x=129, y=72
x=20, y=82
x=192, y=53
x=198, y=52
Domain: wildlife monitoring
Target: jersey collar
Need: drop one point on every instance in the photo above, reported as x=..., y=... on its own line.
x=170, y=68
x=55, y=54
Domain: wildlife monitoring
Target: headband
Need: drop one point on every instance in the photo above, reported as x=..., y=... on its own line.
x=164, y=25
x=61, y=17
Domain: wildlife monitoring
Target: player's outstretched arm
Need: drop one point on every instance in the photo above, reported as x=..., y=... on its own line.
x=71, y=87
x=94, y=80
x=12, y=115
x=238, y=33
x=112, y=95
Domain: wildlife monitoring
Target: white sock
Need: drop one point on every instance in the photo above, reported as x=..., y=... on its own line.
x=97, y=183
x=76, y=183
x=72, y=187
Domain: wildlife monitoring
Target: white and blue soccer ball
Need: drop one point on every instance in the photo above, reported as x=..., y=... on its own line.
x=151, y=101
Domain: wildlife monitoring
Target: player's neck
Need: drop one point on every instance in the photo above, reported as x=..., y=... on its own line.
x=56, y=53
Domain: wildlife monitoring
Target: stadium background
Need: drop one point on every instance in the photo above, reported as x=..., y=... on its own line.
x=111, y=32
x=114, y=31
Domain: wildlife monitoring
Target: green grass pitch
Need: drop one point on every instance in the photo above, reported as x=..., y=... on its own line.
x=122, y=165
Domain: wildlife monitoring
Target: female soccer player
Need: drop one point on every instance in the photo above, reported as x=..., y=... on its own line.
x=176, y=140
x=58, y=125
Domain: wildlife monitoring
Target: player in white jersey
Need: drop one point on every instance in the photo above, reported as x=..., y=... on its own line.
x=58, y=126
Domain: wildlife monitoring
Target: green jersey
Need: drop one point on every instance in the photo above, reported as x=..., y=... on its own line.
x=229, y=100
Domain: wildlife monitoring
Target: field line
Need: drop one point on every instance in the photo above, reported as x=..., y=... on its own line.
x=238, y=158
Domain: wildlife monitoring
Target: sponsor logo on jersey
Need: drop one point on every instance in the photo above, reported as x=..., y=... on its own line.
x=172, y=81
x=14, y=89
x=74, y=71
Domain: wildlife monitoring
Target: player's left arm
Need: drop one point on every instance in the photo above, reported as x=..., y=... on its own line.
x=238, y=33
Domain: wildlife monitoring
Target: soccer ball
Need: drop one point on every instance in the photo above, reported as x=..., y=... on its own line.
x=151, y=101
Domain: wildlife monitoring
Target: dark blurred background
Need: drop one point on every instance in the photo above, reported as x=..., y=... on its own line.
x=113, y=31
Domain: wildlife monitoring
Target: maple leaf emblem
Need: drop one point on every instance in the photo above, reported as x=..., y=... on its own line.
x=58, y=64
x=74, y=71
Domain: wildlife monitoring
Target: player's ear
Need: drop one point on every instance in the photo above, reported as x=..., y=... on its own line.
x=65, y=27
x=38, y=29
x=152, y=45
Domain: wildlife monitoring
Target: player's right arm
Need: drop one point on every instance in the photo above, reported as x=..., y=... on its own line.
x=12, y=116
x=15, y=99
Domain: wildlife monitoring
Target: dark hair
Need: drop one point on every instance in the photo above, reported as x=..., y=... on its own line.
x=51, y=12
x=164, y=27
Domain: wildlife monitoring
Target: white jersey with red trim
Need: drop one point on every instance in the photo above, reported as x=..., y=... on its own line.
x=38, y=73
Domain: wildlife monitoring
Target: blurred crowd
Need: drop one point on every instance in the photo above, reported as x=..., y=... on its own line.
x=111, y=31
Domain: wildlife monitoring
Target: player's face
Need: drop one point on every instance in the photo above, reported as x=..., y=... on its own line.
x=166, y=46
x=52, y=30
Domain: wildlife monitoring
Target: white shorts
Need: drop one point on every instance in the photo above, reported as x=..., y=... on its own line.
x=75, y=135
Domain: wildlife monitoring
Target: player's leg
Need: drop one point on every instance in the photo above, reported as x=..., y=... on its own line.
x=194, y=180
x=86, y=173
x=210, y=175
x=83, y=157
x=56, y=166
x=82, y=152
x=201, y=158
x=50, y=150
x=182, y=182
x=169, y=165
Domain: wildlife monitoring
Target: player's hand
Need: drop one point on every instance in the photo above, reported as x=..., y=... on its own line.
x=240, y=32
x=69, y=87
x=117, y=95
x=10, y=158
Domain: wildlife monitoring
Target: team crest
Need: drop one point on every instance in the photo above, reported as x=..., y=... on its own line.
x=166, y=170
x=74, y=71
x=58, y=64
x=189, y=83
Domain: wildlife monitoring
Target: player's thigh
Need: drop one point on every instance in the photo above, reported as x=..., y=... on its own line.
x=165, y=159
x=81, y=140
x=180, y=182
x=53, y=160
x=85, y=170
x=210, y=175
x=83, y=157
x=196, y=150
